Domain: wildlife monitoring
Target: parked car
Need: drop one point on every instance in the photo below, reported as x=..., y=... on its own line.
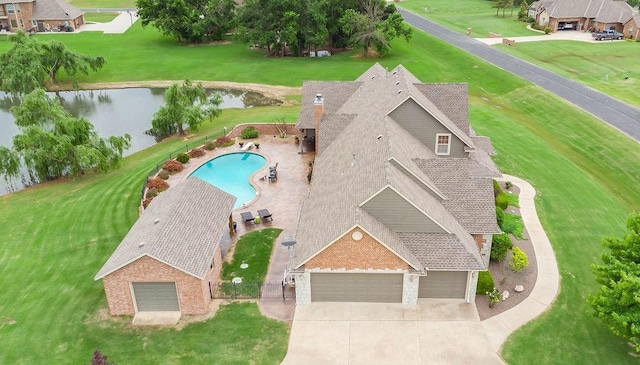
x=607, y=34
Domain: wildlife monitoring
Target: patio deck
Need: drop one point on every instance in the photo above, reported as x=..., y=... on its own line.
x=283, y=198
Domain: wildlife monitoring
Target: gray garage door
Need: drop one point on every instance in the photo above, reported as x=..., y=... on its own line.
x=152, y=297
x=443, y=284
x=382, y=288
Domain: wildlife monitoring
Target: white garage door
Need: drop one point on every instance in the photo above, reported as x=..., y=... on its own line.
x=156, y=297
x=443, y=284
x=343, y=287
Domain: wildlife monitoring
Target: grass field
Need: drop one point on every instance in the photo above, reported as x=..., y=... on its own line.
x=475, y=14
x=602, y=66
x=56, y=236
x=254, y=249
x=100, y=17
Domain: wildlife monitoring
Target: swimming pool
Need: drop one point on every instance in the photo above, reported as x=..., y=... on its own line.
x=231, y=173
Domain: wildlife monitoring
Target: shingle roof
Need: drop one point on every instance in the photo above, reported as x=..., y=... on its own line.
x=372, y=152
x=181, y=227
x=441, y=251
x=339, y=91
x=604, y=11
x=54, y=10
x=2, y=2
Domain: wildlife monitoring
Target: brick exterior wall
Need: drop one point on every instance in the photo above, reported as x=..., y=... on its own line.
x=349, y=254
x=630, y=29
x=193, y=293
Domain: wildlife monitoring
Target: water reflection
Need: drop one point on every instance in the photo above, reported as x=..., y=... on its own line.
x=116, y=112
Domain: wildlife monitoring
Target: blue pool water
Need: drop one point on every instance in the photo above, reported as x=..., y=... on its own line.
x=231, y=173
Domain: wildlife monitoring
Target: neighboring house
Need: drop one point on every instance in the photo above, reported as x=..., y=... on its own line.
x=401, y=204
x=38, y=15
x=170, y=259
x=594, y=15
x=630, y=28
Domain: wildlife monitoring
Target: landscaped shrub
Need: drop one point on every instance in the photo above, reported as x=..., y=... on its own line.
x=508, y=184
x=501, y=243
x=223, y=141
x=172, y=166
x=182, y=157
x=146, y=202
x=497, y=190
x=249, y=132
x=500, y=216
x=209, y=145
x=519, y=260
x=157, y=183
x=152, y=193
x=502, y=200
x=485, y=282
x=547, y=30
x=197, y=152
x=163, y=174
x=513, y=224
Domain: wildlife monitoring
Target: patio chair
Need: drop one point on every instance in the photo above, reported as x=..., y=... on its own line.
x=247, y=218
x=273, y=176
x=264, y=215
x=273, y=168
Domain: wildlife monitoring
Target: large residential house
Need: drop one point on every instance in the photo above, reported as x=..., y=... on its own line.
x=401, y=203
x=38, y=15
x=586, y=15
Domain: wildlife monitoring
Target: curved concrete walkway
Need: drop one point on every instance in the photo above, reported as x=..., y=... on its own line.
x=545, y=291
x=436, y=331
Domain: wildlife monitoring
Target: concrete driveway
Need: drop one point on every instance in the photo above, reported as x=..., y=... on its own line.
x=436, y=331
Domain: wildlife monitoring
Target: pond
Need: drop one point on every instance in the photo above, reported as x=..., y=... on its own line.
x=116, y=112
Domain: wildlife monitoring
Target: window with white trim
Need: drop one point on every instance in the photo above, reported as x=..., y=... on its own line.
x=443, y=143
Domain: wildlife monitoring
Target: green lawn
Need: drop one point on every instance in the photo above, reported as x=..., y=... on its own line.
x=602, y=66
x=254, y=249
x=475, y=14
x=56, y=236
x=100, y=17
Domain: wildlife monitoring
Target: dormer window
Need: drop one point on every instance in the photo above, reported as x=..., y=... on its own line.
x=443, y=143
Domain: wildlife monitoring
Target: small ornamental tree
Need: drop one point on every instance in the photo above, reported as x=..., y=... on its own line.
x=519, y=260
x=185, y=104
x=617, y=302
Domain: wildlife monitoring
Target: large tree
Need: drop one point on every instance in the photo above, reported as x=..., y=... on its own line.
x=31, y=63
x=617, y=302
x=185, y=104
x=374, y=24
x=53, y=143
x=190, y=21
x=281, y=26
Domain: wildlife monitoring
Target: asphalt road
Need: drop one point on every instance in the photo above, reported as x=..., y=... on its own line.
x=620, y=115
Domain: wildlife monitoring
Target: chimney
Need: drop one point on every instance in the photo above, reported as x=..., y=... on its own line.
x=318, y=113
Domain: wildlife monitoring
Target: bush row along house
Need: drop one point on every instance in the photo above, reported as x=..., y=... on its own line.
x=586, y=15
x=401, y=202
x=38, y=15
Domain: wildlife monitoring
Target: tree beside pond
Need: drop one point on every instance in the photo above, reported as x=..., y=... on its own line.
x=617, y=302
x=52, y=143
x=185, y=104
x=31, y=63
x=192, y=21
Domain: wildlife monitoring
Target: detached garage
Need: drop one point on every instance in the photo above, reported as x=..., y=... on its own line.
x=171, y=257
x=352, y=287
x=443, y=284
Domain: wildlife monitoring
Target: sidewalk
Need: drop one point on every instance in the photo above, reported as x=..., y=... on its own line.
x=119, y=25
x=499, y=327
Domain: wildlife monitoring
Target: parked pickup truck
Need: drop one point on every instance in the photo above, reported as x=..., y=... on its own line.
x=607, y=34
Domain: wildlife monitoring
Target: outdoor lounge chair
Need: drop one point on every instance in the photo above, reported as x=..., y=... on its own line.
x=273, y=168
x=273, y=176
x=264, y=215
x=247, y=218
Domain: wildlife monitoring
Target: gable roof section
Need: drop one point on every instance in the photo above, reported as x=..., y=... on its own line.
x=442, y=251
x=339, y=91
x=452, y=99
x=371, y=154
x=54, y=10
x=331, y=126
x=181, y=227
